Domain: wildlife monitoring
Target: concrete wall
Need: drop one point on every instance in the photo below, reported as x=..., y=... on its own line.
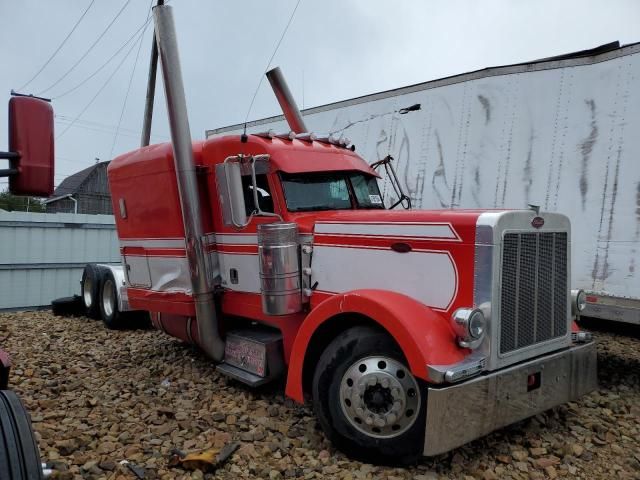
x=42, y=255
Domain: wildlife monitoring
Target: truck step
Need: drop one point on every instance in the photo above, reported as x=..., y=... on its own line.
x=241, y=375
x=253, y=355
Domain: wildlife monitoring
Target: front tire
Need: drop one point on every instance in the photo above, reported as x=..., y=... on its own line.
x=112, y=317
x=366, y=399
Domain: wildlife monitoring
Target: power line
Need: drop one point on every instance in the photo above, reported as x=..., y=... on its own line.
x=88, y=50
x=65, y=118
x=126, y=96
x=104, y=128
x=284, y=32
x=109, y=132
x=144, y=25
x=59, y=47
x=98, y=127
x=97, y=93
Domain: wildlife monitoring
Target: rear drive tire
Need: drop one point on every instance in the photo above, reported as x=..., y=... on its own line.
x=367, y=401
x=90, y=289
x=19, y=455
x=112, y=317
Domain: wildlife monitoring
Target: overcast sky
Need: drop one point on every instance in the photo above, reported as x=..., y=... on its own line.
x=334, y=50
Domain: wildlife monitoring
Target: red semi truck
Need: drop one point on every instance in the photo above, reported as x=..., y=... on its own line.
x=410, y=332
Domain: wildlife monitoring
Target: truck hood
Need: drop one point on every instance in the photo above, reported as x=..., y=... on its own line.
x=455, y=225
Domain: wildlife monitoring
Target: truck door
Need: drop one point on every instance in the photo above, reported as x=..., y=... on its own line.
x=238, y=247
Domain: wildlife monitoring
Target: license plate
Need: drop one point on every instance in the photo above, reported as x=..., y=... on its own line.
x=245, y=354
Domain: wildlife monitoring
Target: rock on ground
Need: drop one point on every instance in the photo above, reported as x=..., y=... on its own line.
x=98, y=397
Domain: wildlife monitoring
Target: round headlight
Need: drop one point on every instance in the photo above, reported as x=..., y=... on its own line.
x=581, y=301
x=578, y=301
x=470, y=326
x=476, y=324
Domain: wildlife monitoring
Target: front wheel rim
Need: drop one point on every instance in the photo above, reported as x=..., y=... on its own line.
x=108, y=298
x=380, y=397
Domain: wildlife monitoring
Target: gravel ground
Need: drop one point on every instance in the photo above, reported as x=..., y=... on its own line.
x=98, y=397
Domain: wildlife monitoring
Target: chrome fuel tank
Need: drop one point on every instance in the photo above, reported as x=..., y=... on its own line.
x=278, y=253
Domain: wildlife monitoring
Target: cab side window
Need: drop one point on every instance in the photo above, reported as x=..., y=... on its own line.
x=265, y=200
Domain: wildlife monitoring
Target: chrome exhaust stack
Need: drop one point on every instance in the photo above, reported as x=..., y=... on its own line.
x=209, y=336
x=285, y=99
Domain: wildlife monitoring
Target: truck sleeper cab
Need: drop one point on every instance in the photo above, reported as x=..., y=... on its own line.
x=412, y=332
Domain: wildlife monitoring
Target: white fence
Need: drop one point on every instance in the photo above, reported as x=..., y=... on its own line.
x=42, y=254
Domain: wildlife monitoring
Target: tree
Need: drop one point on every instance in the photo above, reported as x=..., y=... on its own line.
x=12, y=202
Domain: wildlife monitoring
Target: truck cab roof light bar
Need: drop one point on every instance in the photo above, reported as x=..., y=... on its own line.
x=306, y=137
x=332, y=140
x=268, y=134
x=287, y=136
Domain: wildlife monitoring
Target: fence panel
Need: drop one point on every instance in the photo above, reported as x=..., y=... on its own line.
x=42, y=254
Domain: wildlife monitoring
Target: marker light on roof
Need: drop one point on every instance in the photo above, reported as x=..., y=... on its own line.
x=307, y=137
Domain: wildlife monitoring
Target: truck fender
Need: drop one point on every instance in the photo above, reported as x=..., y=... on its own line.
x=423, y=334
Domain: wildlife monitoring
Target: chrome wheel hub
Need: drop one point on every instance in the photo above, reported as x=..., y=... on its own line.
x=379, y=397
x=86, y=292
x=108, y=298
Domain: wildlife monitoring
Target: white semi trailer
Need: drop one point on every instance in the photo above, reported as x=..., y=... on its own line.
x=561, y=133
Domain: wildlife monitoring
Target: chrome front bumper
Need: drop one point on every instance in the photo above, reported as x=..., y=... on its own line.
x=463, y=412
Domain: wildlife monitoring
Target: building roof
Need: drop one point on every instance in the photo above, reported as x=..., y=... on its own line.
x=72, y=183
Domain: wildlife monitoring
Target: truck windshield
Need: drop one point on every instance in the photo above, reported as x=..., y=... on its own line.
x=330, y=191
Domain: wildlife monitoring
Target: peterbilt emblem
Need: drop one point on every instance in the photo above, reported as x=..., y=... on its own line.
x=537, y=222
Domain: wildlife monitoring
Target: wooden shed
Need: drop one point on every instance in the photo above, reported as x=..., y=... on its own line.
x=86, y=191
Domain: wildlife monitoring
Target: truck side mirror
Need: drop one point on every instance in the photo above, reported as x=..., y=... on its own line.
x=31, y=147
x=229, y=180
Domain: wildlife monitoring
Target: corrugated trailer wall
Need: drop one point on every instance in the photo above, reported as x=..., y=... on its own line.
x=561, y=134
x=42, y=255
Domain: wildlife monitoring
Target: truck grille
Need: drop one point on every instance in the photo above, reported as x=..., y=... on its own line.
x=534, y=289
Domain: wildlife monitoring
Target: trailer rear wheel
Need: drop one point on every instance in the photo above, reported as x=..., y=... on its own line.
x=366, y=399
x=90, y=289
x=111, y=315
x=19, y=455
